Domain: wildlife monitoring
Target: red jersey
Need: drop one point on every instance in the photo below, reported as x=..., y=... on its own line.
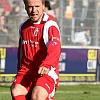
x=39, y=45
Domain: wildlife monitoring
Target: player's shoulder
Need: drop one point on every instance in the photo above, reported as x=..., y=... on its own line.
x=51, y=22
x=25, y=24
x=51, y=17
x=47, y=17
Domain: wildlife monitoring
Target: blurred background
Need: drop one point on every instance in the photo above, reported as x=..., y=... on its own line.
x=79, y=21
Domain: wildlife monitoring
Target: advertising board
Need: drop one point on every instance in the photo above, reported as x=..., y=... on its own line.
x=76, y=64
x=79, y=65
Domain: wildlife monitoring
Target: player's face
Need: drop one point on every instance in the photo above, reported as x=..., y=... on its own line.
x=34, y=9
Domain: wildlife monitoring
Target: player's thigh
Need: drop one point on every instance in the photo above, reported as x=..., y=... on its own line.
x=18, y=89
x=21, y=85
x=39, y=93
x=44, y=86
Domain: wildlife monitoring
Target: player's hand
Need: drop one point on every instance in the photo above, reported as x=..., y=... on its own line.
x=43, y=71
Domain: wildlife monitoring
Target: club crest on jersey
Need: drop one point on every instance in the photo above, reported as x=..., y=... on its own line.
x=53, y=42
x=36, y=32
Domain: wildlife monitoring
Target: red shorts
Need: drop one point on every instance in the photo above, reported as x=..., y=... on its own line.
x=30, y=81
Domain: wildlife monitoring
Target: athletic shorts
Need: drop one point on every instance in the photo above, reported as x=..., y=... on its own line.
x=30, y=81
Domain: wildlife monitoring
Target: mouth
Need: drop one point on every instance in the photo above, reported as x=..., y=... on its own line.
x=33, y=15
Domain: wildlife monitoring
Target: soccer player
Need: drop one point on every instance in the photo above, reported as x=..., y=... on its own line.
x=38, y=55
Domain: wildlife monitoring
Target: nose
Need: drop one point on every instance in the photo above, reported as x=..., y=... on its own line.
x=33, y=9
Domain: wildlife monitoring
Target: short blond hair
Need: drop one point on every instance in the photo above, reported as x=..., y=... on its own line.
x=25, y=1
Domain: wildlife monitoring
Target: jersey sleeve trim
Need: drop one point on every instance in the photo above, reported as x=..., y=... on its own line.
x=47, y=25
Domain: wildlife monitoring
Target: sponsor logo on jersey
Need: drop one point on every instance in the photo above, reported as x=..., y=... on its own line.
x=32, y=27
x=30, y=42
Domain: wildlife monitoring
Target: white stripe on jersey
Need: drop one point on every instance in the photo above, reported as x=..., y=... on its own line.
x=47, y=25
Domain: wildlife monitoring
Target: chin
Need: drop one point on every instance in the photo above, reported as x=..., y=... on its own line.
x=33, y=20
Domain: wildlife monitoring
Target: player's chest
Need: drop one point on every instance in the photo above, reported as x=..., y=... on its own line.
x=32, y=33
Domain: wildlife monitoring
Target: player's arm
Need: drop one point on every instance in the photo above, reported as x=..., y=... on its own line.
x=53, y=51
x=18, y=55
x=19, y=52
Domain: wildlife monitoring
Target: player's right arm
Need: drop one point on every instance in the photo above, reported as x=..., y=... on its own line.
x=19, y=52
x=18, y=55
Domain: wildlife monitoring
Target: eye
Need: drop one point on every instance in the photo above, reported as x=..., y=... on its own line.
x=37, y=6
x=30, y=7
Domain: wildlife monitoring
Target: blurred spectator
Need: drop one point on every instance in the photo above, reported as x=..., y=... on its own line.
x=55, y=7
x=48, y=9
x=80, y=13
x=13, y=24
x=15, y=8
x=90, y=18
x=3, y=30
x=67, y=22
x=82, y=32
x=2, y=21
x=6, y=6
x=7, y=9
x=82, y=38
x=85, y=5
x=69, y=10
x=61, y=15
x=91, y=15
x=77, y=14
x=99, y=19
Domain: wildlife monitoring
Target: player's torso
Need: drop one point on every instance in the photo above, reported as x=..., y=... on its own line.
x=33, y=46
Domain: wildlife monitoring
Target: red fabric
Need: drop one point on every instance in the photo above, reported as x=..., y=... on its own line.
x=35, y=51
x=20, y=97
x=50, y=99
x=26, y=81
x=38, y=48
x=51, y=16
x=46, y=82
x=6, y=5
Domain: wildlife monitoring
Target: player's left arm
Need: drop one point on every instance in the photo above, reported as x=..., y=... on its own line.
x=53, y=51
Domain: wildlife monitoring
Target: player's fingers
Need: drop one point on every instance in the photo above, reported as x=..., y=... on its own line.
x=46, y=71
x=43, y=70
x=40, y=70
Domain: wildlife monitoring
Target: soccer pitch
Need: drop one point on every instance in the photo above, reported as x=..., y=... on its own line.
x=65, y=92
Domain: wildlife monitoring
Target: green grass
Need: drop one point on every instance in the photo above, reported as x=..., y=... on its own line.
x=5, y=92
x=68, y=92
x=78, y=92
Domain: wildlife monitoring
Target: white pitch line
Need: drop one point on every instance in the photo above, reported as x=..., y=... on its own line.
x=68, y=92
x=78, y=92
x=64, y=92
x=4, y=92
